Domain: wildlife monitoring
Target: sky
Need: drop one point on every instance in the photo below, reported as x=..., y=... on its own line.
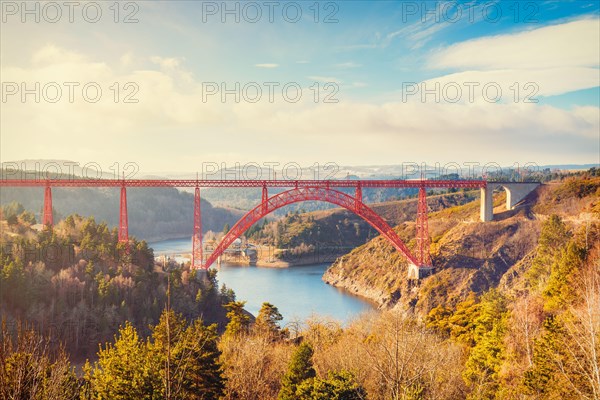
x=172, y=85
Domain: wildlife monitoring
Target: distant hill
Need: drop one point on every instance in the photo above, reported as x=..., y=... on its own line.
x=154, y=213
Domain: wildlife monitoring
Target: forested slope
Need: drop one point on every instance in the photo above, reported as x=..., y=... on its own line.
x=77, y=283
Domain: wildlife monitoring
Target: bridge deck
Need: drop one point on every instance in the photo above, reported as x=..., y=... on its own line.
x=206, y=183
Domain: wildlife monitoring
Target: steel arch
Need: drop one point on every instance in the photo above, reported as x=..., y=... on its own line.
x=299, y=194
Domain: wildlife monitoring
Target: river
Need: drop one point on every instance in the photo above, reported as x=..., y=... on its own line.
x=298, y=292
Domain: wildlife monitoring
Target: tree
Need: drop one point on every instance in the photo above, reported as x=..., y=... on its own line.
x=482, y=369
x=226, y=228
x=186, y=358
x=165, y=337
x=27, y=217
x=13, y=285
x=567, y=354
x=12, y=220
x=524, y=326
x=300, y=369
x=254, y=365
x=123, y=370
x=458, y=324
x=197, y=372
x=12, y=209
x=553, y=237
x=70, y=222
x=560, y=289
x=543, y=377
x=267, y=321
x=338, y=386
x=29, y=369
x=239, y=321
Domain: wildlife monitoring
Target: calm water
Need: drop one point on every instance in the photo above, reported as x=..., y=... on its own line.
x=298, y=292
x=172, y=246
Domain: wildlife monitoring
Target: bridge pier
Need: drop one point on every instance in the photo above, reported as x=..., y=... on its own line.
x=423, y=242
x=416, y=272
x=358, y=196
x=197, y=235
x=123, y=221
x=487, y=204
x=265, y=198
x=47, y=218
x=423, y=257
x=515, y=192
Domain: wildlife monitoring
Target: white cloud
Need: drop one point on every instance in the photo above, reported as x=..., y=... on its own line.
x=572, y=44
x=170, y=119
x=267, y=65
x=516, y=85
x=555, y=59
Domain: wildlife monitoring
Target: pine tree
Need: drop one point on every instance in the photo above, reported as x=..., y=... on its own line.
x=300, y=369
x=267, y=321
x=553, y=237
x=543, y=376
x=202, y=372
x=123, y=370
x=187, y=359
x=486, y=357
x=560, y=289
x=239, y=321
x=162, y=350
x=337, y=386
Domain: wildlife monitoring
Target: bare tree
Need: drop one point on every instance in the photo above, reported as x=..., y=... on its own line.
x=253, y=366
x=30, y=369
x=394, y=357
x=584, y=331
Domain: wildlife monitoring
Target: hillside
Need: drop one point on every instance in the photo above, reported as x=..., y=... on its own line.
x=154, y=214
x=337, y=231
x=79, y=284
x=468, y=255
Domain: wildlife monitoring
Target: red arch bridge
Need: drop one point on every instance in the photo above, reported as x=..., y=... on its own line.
x=297, y=191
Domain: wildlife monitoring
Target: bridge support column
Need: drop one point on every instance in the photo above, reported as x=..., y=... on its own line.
x=123, y=222
x=358, y=196
x=487, y=204
x=197, y=236
x=265, y=199
x=423, y=243
x=47, y=218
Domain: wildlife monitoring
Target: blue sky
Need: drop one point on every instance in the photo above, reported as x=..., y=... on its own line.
x=376, y=56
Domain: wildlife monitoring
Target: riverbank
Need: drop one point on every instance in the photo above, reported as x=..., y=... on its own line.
x=297, y=261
